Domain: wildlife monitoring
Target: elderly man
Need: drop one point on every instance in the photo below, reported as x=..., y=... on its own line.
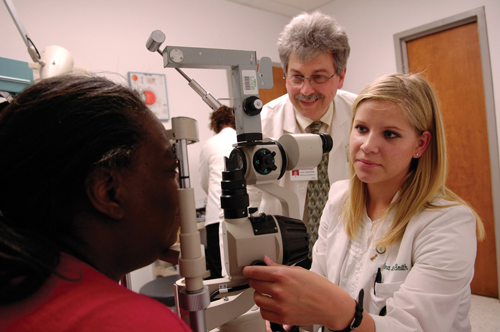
x=313, y=50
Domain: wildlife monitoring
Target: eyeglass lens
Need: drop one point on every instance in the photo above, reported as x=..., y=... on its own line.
x=298, y=80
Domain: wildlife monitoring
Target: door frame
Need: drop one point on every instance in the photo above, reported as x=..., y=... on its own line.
x=475, y=15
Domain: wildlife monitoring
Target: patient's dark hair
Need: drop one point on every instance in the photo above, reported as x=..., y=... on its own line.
x=52, y=136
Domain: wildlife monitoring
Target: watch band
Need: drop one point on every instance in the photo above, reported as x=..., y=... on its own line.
x=358, y=314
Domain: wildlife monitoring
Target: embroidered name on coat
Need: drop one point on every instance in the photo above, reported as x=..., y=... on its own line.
x=396, y=267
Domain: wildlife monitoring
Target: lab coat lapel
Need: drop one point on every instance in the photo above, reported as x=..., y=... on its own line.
x=338, y=251
x=289, y=121
x=340, y=120
x=373, y=259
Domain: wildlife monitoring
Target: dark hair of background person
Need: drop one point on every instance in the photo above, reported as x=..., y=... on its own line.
x=222, y=118
x=52, y=136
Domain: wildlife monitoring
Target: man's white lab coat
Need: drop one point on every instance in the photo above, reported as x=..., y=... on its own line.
x=278, y=118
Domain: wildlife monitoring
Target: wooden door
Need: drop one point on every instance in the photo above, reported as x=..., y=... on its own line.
x=451, y=61
x=278, y=90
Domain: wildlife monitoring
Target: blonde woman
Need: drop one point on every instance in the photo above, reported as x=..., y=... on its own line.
x=393, y=238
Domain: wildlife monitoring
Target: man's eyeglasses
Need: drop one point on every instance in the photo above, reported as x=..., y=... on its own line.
x=299, y=80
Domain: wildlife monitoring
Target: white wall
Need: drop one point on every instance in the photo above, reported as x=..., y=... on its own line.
x=371, y=26
x=110, y=36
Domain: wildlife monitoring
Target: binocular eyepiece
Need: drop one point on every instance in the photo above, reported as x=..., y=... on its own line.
x=235, y=202
x=234, y=199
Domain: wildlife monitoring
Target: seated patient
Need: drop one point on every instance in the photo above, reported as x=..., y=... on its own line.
x=393, y=237
x=88, y=193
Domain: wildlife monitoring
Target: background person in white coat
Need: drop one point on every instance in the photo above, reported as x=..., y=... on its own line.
x=212, y=154
x=313, y=50
x=394, y=230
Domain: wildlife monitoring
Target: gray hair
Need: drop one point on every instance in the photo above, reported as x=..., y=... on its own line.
x=309, y=35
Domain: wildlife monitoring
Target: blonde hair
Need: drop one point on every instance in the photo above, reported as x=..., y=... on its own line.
x=426, y=177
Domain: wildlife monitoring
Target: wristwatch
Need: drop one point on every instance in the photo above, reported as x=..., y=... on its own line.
x=358, y=314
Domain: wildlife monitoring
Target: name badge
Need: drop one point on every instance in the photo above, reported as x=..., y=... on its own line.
x=310, y=174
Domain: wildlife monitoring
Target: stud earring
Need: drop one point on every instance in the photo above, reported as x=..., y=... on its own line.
x=417, y=154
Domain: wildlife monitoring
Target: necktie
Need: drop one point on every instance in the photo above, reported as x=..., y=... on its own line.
x=317, y=194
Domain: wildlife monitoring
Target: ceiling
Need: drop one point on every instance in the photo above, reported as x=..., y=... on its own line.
x=289, y=8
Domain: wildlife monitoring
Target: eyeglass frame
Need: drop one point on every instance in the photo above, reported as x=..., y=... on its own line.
x=311, y=79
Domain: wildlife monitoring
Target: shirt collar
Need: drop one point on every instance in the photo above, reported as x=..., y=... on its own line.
x=303, y=122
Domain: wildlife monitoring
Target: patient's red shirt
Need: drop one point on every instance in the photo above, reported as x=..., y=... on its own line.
x=87, y=301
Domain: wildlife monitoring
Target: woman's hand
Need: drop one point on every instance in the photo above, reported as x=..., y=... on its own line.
x=296, y=296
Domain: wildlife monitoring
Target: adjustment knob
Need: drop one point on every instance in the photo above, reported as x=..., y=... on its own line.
x=252, y=105
x=155, y=40
x=263, y=161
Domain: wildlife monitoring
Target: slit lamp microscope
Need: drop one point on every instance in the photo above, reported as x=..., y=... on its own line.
x=257, y=161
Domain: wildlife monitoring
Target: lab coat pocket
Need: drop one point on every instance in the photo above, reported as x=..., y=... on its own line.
x=386, y=290
x=383, y=291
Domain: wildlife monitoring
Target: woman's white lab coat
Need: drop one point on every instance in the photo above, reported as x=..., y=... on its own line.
x=425, y=278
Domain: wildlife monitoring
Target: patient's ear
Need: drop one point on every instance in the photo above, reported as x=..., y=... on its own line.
x=102, y=187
